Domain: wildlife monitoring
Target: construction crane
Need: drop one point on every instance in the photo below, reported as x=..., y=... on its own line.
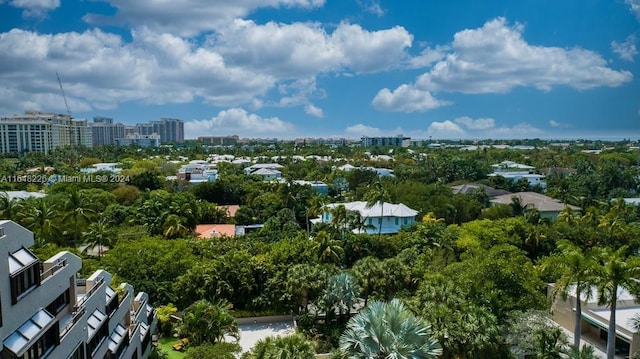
x=63, y=95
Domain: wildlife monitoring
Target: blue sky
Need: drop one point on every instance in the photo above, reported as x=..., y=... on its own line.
x=331, y=68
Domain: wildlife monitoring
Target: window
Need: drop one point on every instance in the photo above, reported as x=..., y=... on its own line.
x=35, y=338
x=405, y=220
x=59, y=303
x=118, y=341
x=370, y=221
x=98, y=328
x=397, y=221
x=78, y=353
x=24, y=271
x=112, y=301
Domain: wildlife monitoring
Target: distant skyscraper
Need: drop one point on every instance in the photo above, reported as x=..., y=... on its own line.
x=170, y=130
x=395, y=141
x=42, y=132
x=105, y=132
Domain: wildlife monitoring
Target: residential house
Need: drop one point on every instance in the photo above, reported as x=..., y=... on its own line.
x=394, y=216
x=513, y=171
x=104, y=167
x=595, y=319
x=267, y=174
x=197, y=172
x=470, y=188
x=47, y=310
x=547, y=206
x=318, y=186
x=258, y=166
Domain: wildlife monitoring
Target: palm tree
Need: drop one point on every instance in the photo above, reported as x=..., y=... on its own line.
x=367, y=271
x=377, y=194
x=328, y=249
x=358, y=223
x=99, y=235
x=587, y=352
x=615, y=271
x=576, y=268
x=339, y=219
x=294, y=346
x=342, y=292
x=40, y=219
x=76, y=213
x=9, y=208
x=174, y=227
x=549, y=344
x=209, y=322
x=388, y=330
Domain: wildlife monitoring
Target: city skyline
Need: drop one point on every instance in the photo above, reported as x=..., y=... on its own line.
x=320, y=68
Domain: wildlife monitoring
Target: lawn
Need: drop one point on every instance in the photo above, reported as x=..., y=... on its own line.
x=165, y=344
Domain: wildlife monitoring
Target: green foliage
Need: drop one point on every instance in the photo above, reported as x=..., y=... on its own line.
x=208, y=322
x=208, y=351
x=290, y=347
x=151, y=265
x=388, y=330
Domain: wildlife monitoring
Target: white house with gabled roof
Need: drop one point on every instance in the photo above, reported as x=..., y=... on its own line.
x=394, y=216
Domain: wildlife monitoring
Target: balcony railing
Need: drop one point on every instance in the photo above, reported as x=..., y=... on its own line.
x=76, y=314
x=46, y=274
x=96, y=285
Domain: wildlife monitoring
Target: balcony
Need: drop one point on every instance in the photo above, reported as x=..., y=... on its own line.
x=48, y=270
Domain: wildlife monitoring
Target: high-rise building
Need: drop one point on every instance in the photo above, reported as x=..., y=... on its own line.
x=42, y=132
x=105, y=132
x=219, y=140
x=47, y=310
x=395, y=141
x=170, y=130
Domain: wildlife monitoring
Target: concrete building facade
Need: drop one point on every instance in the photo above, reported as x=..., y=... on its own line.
x=47, y=310
x=42, y=132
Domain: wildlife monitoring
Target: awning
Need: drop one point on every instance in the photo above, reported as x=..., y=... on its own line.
x=95, y=321
x=20, y=259
x=29, y=332
x=602, y=325
x=117, y=338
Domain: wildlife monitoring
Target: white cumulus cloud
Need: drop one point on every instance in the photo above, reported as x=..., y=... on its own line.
x=363, y=130
x=406, y=98
x=445, y=129
x=634, y=6
x=626, y=49
x=239, y=121
x=188, y=17
x=314, y=111
x=496, y=59
x=35, y=8
x=477, y=124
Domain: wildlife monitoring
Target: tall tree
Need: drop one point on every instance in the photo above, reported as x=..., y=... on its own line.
x=388, y=330
x=99, y=235
x=576, y=269
x=9, y=208
x=76, y=212
x=342, y=292
x=40, y=218
x=615, y=270
x=377, y=194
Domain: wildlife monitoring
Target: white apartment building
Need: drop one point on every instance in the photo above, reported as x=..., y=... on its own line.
x=42, y=132
x=47, y=311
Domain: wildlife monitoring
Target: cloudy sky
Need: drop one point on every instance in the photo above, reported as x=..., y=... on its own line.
x=291, y=68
